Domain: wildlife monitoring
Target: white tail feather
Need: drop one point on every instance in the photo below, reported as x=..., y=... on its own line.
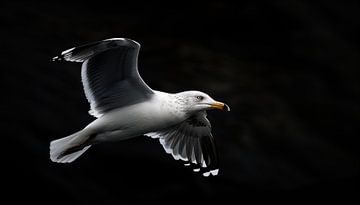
x=58, y=147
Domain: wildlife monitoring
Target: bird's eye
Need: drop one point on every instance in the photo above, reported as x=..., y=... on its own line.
x=199, y=97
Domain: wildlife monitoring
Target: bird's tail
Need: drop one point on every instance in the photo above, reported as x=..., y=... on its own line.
x=67, y=149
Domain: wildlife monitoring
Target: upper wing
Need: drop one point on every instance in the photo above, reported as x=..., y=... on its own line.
x=192, y=142
x=109, y=73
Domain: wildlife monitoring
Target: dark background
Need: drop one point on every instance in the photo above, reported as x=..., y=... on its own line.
x=288, y=69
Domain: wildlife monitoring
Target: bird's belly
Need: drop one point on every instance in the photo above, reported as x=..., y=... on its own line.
x=132, y=121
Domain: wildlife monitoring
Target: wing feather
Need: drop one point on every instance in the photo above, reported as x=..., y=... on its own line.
x=109, y=74
x=192, y=142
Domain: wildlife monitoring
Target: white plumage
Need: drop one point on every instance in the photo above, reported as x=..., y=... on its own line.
x=126, y=107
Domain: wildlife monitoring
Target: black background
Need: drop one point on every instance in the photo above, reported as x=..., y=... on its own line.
x=288, y=69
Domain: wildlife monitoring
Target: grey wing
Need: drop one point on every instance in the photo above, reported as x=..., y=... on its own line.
x=192, y=142
x=109, y=74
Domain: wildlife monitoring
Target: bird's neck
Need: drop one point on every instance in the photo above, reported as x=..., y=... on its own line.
x=173, y=104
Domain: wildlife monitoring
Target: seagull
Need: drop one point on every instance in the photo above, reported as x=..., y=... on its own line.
x=126, y=107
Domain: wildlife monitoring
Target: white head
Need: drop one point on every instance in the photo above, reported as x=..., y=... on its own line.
x=194, y=101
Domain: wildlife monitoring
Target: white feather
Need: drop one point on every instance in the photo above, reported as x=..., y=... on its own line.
x=57, y=147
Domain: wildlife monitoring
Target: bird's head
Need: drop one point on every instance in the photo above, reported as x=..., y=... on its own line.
x=195, y=101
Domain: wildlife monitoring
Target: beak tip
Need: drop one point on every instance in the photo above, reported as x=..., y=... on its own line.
x=226, y=107
x=220, y=106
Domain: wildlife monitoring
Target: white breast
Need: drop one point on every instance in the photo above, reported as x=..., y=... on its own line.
x=158, y=113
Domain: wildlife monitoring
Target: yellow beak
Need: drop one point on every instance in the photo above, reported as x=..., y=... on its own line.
x=220, y=106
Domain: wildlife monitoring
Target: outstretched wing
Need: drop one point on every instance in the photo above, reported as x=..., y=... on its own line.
x=192, y=142
x=109, y=74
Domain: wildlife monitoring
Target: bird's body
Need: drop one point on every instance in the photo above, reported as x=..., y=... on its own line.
x=126, y=107
x=160, y=112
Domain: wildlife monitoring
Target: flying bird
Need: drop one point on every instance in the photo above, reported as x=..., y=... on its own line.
x=126, y=107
